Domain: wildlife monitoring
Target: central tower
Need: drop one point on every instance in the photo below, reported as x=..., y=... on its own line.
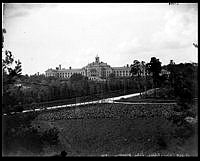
x=97, y=59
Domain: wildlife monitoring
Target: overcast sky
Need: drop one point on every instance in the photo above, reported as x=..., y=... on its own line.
x=43, y=36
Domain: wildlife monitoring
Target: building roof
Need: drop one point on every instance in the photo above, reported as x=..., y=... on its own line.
x=64, y=70
x=120, y=68
x=51, y=70
x=97, y=64
x=71, y=70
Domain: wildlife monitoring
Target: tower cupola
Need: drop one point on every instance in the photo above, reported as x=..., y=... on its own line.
x=97, y=59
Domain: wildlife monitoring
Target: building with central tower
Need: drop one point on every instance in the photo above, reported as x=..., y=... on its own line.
x=94, y=71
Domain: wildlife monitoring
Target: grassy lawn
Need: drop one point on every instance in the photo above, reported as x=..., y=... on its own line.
x=118, y=129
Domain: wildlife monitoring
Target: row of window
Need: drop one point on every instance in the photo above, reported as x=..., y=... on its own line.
x=122, y=73
x=50, y=74
x=92, y=78
x=108, y=72
x=67, y=75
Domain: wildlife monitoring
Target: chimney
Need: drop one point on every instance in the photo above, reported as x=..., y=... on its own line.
x=70, y=68
x=59, y=67
x=127, y=65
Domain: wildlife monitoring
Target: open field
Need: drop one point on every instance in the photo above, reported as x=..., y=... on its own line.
x=114, y=129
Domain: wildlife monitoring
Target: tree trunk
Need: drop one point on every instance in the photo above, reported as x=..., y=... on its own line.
x=139, y=85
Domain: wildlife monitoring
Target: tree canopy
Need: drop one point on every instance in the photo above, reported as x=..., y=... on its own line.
x=154, y=67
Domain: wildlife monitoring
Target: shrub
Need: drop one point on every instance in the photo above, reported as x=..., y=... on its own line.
x=50, y=136
x=30, y=139
x=18, y=134
x=25, y=139
x=160, y=131
x=184, y=131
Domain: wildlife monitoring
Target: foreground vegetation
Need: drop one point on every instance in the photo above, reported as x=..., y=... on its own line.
x=104, y=129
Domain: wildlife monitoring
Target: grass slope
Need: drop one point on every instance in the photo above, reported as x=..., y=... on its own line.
x=118, y=129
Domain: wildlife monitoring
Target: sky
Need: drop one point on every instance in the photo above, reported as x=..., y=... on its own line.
x=44, y=35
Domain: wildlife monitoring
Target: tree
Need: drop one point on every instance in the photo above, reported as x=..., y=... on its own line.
x=10, y=76
x=77, y=77
x=183, y=81
x=154, y=68
x=136, y=70
x=144, y=72
x=171, y=68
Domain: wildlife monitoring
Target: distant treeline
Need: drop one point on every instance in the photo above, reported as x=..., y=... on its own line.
x=46, y=89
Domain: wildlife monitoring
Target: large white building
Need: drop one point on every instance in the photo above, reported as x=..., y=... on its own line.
x=94, y=71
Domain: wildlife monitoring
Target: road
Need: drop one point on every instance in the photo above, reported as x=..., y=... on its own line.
x=107, y=100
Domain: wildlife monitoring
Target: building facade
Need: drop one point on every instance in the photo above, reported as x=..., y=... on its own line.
x=94, y=71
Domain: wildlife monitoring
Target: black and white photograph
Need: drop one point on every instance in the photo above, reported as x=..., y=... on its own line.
x=100, y=79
